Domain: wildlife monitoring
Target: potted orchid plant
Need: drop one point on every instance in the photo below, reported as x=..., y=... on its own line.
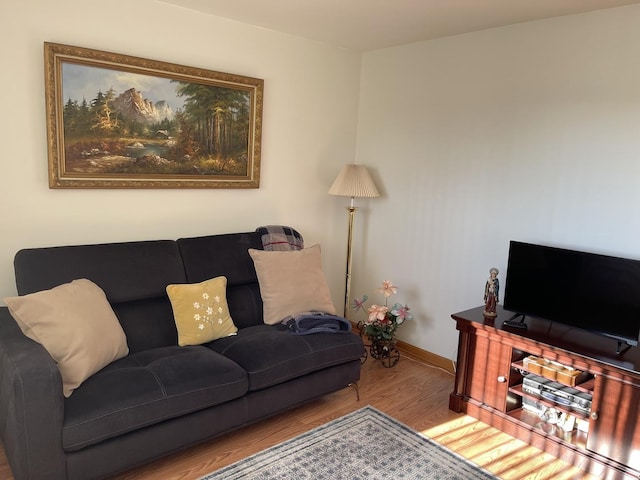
x=382, y=322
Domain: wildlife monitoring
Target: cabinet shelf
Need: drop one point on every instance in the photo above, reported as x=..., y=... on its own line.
x=576, y=438
x=518, y=390
x=585, y=385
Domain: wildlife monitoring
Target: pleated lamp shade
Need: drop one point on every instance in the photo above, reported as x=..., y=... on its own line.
x=354, y=181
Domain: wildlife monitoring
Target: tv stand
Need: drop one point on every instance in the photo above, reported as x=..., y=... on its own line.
x=494, y=377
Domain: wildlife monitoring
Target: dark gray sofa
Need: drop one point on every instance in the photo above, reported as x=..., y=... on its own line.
x=161, y=397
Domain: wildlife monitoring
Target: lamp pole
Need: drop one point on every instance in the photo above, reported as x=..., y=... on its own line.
x=347, y=289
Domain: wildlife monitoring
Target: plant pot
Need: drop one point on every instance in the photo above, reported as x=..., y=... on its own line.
x=384, y=350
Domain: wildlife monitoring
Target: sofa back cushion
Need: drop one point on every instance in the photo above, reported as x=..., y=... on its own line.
x=227, y=254
x=133, y=275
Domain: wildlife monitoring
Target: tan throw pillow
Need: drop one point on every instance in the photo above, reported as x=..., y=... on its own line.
x=74, y=322
x=291, y=282
x=201, y=312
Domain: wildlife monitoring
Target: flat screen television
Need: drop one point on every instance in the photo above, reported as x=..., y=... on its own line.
x=594, y=292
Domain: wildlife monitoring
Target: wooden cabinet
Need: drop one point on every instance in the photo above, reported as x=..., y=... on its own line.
x=611, y=434
x=489, y=371
x=563, y=390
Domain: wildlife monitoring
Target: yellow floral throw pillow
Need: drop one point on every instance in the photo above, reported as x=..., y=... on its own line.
x=201, y=312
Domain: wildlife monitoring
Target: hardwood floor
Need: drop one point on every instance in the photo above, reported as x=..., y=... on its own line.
x=412, y=392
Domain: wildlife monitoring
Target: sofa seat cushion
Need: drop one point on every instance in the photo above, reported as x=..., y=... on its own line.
x=146, y=388
x=271, y=355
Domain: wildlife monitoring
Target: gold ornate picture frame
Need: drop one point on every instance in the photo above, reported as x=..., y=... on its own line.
x=117, y=121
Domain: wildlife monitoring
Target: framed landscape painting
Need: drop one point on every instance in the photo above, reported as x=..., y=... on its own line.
x=117, y=121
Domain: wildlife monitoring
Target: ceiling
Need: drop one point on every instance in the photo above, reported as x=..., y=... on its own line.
x=363, y=25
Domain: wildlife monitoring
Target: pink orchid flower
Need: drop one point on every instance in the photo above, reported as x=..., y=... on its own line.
x=377, y=312
x=388, y=289
x=358, y=303
x=401, y=312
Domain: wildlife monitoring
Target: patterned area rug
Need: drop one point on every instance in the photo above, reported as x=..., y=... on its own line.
x=365, y=444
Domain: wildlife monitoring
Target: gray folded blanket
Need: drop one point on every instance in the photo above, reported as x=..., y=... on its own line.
x=308, y=323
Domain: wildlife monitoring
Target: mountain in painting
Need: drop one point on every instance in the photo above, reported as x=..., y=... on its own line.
x=133, y=106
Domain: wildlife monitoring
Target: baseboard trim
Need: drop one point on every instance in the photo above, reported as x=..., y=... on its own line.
x=419, y=354
x=425, y=356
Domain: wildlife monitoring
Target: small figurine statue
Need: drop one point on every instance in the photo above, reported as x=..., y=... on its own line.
x=491, y=290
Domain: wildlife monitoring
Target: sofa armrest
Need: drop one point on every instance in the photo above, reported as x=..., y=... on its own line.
x=31, y=405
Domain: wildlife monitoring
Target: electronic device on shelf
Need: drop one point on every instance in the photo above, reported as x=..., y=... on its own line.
x=558, y=393
x=594, y=292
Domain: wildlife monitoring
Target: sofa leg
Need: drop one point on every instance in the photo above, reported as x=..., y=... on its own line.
x=354, y=385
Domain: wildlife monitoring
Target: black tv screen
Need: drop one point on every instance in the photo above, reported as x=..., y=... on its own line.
x=599, y=293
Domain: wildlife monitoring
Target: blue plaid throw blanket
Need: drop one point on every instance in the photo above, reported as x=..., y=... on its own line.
x=280, y=237
x=317, y=322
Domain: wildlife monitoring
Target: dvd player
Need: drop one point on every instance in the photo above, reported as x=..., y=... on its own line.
x=557, y=392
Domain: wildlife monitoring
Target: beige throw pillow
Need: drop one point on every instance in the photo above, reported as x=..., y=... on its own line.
x=75, y=323
x=201, y=312
x=291, y=282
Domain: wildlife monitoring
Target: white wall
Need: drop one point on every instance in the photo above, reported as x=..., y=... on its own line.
x=309, y=130
x=529, y=132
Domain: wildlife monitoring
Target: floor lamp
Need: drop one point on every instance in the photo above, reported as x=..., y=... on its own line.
x=352, y=181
